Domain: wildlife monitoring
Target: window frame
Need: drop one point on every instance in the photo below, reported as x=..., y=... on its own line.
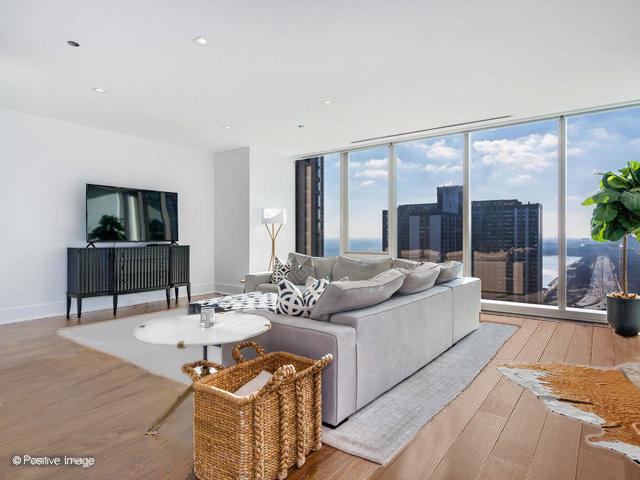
x=560, y=311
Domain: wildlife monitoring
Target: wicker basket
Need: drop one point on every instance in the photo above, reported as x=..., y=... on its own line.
x=261, y=435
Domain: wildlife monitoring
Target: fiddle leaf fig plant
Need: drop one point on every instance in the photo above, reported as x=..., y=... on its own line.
x=616, y=215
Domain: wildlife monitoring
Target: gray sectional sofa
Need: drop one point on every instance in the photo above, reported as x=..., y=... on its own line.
x=376, y=347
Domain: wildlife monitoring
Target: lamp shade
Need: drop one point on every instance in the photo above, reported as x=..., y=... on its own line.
x=274, y=215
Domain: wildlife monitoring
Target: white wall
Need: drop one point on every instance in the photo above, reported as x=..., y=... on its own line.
x=272, y=184
x=232, y=222
x=247, y=180
x=44, y=166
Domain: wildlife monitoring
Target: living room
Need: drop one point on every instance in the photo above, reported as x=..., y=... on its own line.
x=320, y=240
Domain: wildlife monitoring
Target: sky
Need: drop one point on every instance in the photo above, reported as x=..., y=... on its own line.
x=517, y=162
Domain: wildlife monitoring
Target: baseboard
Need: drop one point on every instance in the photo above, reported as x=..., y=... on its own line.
x=228, y=288
x=24, y=313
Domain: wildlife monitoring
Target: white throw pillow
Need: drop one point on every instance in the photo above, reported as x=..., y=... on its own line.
x=255, y=384
x=290, y=300
x=314, y=288
x=280, y=270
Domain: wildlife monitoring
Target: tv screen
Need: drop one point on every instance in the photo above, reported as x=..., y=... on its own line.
x=117, y=214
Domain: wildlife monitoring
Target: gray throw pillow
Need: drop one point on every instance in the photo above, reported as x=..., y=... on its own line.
x=342, y=296
x=421, y=278
x=448, y=271
x=301, y=268
x=324, y=266
x=360, y=269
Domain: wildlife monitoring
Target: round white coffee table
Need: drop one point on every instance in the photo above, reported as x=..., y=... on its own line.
x=183, y=331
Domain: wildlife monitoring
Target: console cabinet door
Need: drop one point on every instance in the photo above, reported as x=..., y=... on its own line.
x=89, y=271
x=139, y=269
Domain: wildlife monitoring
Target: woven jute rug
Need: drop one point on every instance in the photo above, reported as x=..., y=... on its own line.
x=609, y=398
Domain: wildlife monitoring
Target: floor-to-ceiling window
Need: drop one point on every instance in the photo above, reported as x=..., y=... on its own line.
x=368, y=199
x=514, y=221
x=429, y=192
x=510, y=177
x=597, y=142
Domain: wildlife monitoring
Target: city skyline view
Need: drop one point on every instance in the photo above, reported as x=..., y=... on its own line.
x=514, y=169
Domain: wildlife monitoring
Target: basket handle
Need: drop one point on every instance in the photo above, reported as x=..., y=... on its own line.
x=320, y=364
x=282, y=375
x=190, y=368
x=237, y=356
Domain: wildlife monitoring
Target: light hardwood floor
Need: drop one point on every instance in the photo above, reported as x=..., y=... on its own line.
x=57, y=398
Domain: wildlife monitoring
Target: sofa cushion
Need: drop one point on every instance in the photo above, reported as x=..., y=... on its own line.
x=280, y=270
x=406, y=264
x=342, y=296
x=419, y=279
x=301, y=268
x=290, y=300
x=324, y=266
x=448, y=271
x=360, y=269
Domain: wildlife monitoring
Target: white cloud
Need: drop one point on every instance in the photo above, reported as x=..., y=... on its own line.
x=531, y=152
x=600, y=133
x=438, y=150
x=367, y=183
x=520, y=179
x=377, y=163
x=575, y=151
x=372, y=173
x=432, y=168
x=635, y=142
x=404, y=165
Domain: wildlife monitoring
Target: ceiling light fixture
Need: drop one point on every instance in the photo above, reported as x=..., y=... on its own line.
x=300, y=126
x=99, y=90
x=200, y=40
x=326, y=102
x=71, y=43
x=226, y=127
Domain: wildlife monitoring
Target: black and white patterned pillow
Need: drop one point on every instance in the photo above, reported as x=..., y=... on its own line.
x=290, y=300
x=314, y=288
x=280, y=270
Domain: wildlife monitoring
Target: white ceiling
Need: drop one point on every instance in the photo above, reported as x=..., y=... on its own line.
x=387, y=66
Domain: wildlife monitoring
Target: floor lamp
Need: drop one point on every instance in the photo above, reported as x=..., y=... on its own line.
x=273, y=219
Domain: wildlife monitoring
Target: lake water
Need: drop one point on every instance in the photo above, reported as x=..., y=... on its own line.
x=332, y=248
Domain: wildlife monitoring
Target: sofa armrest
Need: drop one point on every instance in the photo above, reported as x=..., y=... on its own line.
x=252, y=280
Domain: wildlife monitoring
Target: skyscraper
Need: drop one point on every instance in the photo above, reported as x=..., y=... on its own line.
x=506, y=240
x=310, y=206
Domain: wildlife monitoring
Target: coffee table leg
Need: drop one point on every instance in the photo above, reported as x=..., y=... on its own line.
x=153, y=430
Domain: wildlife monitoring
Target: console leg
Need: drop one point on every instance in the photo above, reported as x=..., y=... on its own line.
x=79, y=305
x=68, y=306
x=115, y=304
x=168, y=291
x=189, y=291
x=177, y=291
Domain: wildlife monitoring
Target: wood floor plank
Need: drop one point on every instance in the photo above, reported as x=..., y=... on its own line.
x=602, y=353
x=579, y=352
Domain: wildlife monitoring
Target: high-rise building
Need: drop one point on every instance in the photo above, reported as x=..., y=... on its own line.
x=310, y=206
x=506, y=240
x=429, y=231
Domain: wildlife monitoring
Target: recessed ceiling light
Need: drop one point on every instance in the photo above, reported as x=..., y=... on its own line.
x=200, y=40
x=71, y=43
x=99, y=90
x=326, y=102
x=300, y=126
x=226, y=127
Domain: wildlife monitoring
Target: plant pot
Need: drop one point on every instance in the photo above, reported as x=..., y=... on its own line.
x=623, y=314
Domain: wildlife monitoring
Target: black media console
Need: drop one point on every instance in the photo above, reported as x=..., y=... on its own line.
x=93, y=272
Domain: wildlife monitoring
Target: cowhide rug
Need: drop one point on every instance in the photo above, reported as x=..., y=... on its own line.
x=609, y=398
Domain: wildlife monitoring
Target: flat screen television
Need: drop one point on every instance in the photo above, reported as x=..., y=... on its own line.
x=119, y=214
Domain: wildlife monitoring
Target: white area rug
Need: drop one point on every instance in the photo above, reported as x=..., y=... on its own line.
x=381, y=429
x=378, y=431
x=115, y=337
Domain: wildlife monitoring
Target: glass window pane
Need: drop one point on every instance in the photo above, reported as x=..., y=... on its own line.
x=368, y=198
x=514, y=186
x=597, y=142
x=430, y=199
